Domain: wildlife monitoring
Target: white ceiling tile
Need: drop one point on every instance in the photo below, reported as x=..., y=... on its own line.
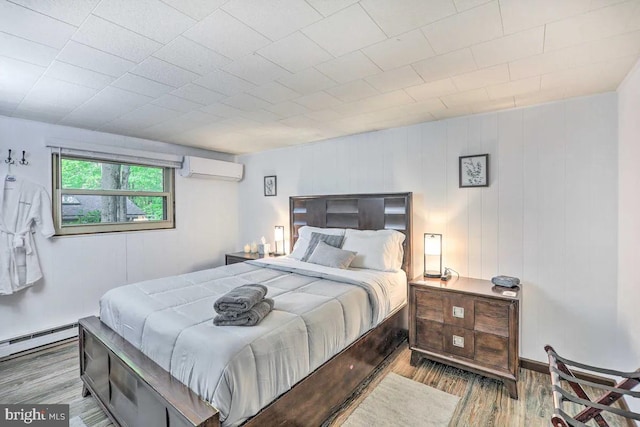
x=176, y=103
x=77, y=75
x=604, y=76
x=346, y=31
x=467, y=98
x=94, y=59
x=48, y=92
x=73, y=12
x=17, y=78
x=318, y=101
x=274, y=93
x=496, y=105
x=163, y=72
x=140, y=118
x=400, y=50
x=462, y=5
x=349, y=67
x=256, y=69
x=432, y=89
x=449, y=64
x=329, y=7
x=353, y=91
x=513, y=88
x=183, y=123
x=224, y=83
x=221, y=110
x=246, y=102
x=465, y=29
x=198, y=94
x=307, y=81
x=275, y=18
x=518, y=15
x=582, y=54
x=25, y=50
x=40, y=115
x=601, y=23
x=485, y=77
x=261, y=116
x=192, y=56
x=324, y=115
x=104, y=107
x=151, y=18
x=34, y=26
x=287, y=109
x=141, y=85
x=396, y=18
x=395, y=79
x=536, y=98
x=374, y=103
x=295, y=52
x=111, y=38
x=226, y=35
x=509, y=48
x=197, y=9
x=299, y=122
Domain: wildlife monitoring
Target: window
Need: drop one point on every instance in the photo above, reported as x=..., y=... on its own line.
x=97, y=196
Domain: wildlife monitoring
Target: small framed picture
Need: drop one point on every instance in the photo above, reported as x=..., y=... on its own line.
x=270, y=185
x=474, y=171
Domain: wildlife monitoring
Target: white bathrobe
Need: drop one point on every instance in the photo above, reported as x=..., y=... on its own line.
x=23, y=205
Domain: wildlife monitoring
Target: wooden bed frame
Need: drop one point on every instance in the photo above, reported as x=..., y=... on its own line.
x=136, y=392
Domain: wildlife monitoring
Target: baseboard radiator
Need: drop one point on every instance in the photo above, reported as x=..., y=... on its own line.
x=37, y=339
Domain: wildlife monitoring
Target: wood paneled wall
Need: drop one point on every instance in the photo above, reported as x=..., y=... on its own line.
x=548, y=217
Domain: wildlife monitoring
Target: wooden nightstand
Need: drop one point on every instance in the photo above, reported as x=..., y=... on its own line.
x=466, y=323
x=235, y=257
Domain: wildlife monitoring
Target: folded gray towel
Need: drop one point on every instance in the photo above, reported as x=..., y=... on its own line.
x=240, y=299
x=249, y=318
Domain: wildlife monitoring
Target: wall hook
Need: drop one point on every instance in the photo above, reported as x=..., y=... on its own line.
x=9, y=160
x=24, y=161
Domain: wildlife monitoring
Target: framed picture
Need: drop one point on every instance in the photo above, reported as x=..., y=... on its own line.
x=474, y=171
x=270, y=185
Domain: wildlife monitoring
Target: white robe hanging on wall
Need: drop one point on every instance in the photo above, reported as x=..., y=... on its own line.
x=23, y=205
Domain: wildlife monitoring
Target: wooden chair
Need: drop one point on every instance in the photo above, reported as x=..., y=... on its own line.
x=559, y=370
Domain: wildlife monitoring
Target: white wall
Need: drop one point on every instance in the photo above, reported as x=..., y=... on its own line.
x=548, y=217
x=79, y=269
x=629, y=222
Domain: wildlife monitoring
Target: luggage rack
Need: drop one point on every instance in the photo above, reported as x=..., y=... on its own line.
x=559, y=370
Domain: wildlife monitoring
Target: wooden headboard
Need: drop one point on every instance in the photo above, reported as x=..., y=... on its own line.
x=359, y=211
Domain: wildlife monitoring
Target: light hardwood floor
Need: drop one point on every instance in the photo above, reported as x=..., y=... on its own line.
x=52, y=376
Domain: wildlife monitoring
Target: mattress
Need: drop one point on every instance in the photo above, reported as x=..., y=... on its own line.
x=318, y=312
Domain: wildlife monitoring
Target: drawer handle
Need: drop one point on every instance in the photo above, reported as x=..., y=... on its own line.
x=458, y=341
x=458, y=312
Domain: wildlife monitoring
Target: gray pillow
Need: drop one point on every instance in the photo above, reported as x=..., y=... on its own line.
x=329, y=239
x=331, y=257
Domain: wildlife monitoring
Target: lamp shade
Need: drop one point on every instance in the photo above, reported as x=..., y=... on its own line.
x=279, y=233
x=432, y=255
x=432, y=244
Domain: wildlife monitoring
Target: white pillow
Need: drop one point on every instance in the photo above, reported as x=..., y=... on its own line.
x=376, y=249
x=304, y=238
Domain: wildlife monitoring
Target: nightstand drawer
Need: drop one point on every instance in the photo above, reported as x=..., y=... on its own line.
x=458, y=341
x=459, y=311
x=429, y=335
x=492, y=350
x=492, y=317
x=430, y=305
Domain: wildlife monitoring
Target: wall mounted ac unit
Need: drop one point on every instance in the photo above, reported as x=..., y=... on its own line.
x=198, y=167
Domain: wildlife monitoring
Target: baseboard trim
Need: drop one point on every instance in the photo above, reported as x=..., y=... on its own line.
x=38, y=349
x=543, y=368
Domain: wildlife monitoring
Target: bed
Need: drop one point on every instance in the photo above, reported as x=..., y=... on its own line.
x=152, y=358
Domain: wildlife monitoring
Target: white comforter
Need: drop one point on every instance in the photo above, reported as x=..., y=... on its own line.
x=318, y=312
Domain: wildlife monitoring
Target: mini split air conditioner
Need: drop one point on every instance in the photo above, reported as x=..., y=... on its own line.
x=197, y=167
